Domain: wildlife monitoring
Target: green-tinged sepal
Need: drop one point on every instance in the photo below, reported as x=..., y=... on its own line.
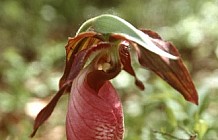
x=110, y=24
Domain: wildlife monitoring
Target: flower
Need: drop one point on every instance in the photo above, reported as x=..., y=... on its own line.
x=97, y=54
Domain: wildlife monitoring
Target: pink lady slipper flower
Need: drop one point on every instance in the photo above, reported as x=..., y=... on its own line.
x=97, y=54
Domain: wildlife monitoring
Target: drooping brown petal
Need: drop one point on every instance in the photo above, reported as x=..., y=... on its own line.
x=172, y=71
x=93, y=115
x=45, y=113
x=126, y=61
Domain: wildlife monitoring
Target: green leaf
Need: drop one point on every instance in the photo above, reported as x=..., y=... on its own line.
x=171, y=116
x=110, y=24
x=201, y=128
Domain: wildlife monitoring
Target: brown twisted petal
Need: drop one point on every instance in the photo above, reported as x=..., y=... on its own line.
x=127, y=66
x=76, y=44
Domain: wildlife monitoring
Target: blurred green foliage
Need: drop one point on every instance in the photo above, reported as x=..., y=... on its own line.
x=32, y=39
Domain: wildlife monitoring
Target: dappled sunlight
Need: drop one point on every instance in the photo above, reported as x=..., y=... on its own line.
x=33, y=107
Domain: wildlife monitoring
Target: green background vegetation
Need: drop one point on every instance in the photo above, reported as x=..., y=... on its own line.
x=33, y=34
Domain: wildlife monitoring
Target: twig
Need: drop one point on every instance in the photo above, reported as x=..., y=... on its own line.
x=192, y=137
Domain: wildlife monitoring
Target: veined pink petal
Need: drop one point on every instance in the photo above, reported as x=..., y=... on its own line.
x=173, y=72
x=93, y=115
